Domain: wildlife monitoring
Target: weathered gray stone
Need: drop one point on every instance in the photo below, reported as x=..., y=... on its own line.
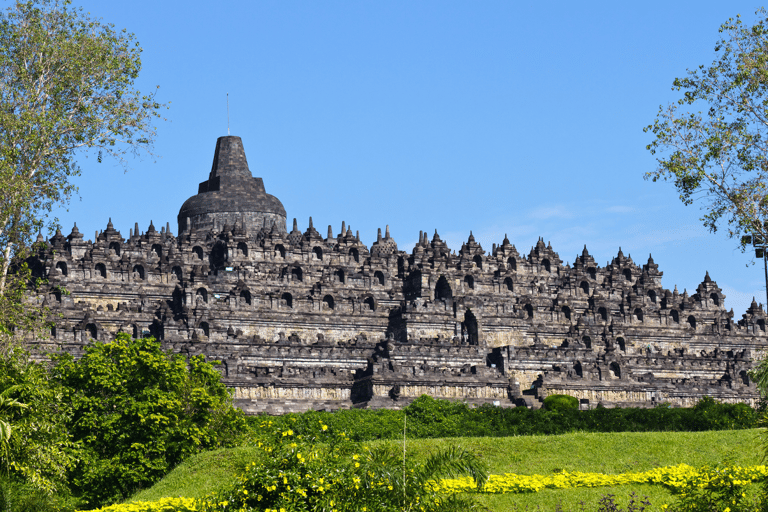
x=302, y=322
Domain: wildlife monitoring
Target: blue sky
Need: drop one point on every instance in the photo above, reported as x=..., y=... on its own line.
x=495, y=117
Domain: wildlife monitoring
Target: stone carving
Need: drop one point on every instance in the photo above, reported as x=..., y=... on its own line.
x=301, y=321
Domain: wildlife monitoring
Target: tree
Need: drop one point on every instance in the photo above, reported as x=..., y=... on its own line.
x=66, y=87
x=35, y=447
x=138, y=411
x=720, y=156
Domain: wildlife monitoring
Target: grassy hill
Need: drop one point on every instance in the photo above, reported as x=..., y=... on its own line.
x=603, y=453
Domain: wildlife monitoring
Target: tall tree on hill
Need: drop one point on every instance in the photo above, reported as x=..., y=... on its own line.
x=66, y=86
x=713, y=142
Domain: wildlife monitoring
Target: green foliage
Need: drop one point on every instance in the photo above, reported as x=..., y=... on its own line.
x=432, y=418
x=38, y=449
x=712, y=143
x=66, y=86
x=330, y=472
x=720, y=488
x=24, y=497
x=203, y=473
x=138, y=411
x=560, y=402
x=526, y=455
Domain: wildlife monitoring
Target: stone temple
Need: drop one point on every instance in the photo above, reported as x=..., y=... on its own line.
x=305, y=321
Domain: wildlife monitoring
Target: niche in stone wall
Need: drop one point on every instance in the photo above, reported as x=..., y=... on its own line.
x=443, y=289
x=242, y=249
x=469, y=282
x=100, y=270
x=206, y=329
x=744, y=376
x=378, y=278
x=201, y=295
x=287, y=299
x=157, y=249
x=603, y=313
x=692, y=321
x=297, y=274
x=157, y=330
x=715, y=299
x=219, y=255
x=339, y=274
x=584, y=287
x=566, y=312
x=36, y=267
x=675, y=316
x=529, y=310
x=318, y=252
x=138, y=272
x=198, y=252
x=761, y=324
x=279, y=251
x=592, y=271
x=577, y=369
x=328, y=302
x=176, y=271
x=245, y=297
x=469, y=328
x=638, y=314
x=615, y=370
x=511, y=263
x=508, y=284
x=478, y=260
x=622, y=344
x=62, y=268
x=587, y=341
x=545, y=265
x=115, y=247
x=652, y=296
x=355, y=255
x=627, y=274
x=368, y=301
x=90, y=331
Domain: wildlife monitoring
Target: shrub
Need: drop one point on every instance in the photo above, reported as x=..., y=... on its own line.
x=330, y=472
x=430, y=418
x=36, y=447
x=560, y=402
x=138, y=411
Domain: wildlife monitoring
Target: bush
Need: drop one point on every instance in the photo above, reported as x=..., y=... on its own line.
x=330, y=472
x=138, y=411
x=560, y=402
x=37, y=448
x=429, y=418
x=16, y=496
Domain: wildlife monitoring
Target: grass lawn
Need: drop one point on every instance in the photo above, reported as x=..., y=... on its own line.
x=601, y=453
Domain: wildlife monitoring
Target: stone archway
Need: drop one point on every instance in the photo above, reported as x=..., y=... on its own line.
x=470, y=329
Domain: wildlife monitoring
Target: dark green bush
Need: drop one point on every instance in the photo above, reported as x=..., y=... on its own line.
x=560, y=402
x=428, y=418
x=138, y=411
